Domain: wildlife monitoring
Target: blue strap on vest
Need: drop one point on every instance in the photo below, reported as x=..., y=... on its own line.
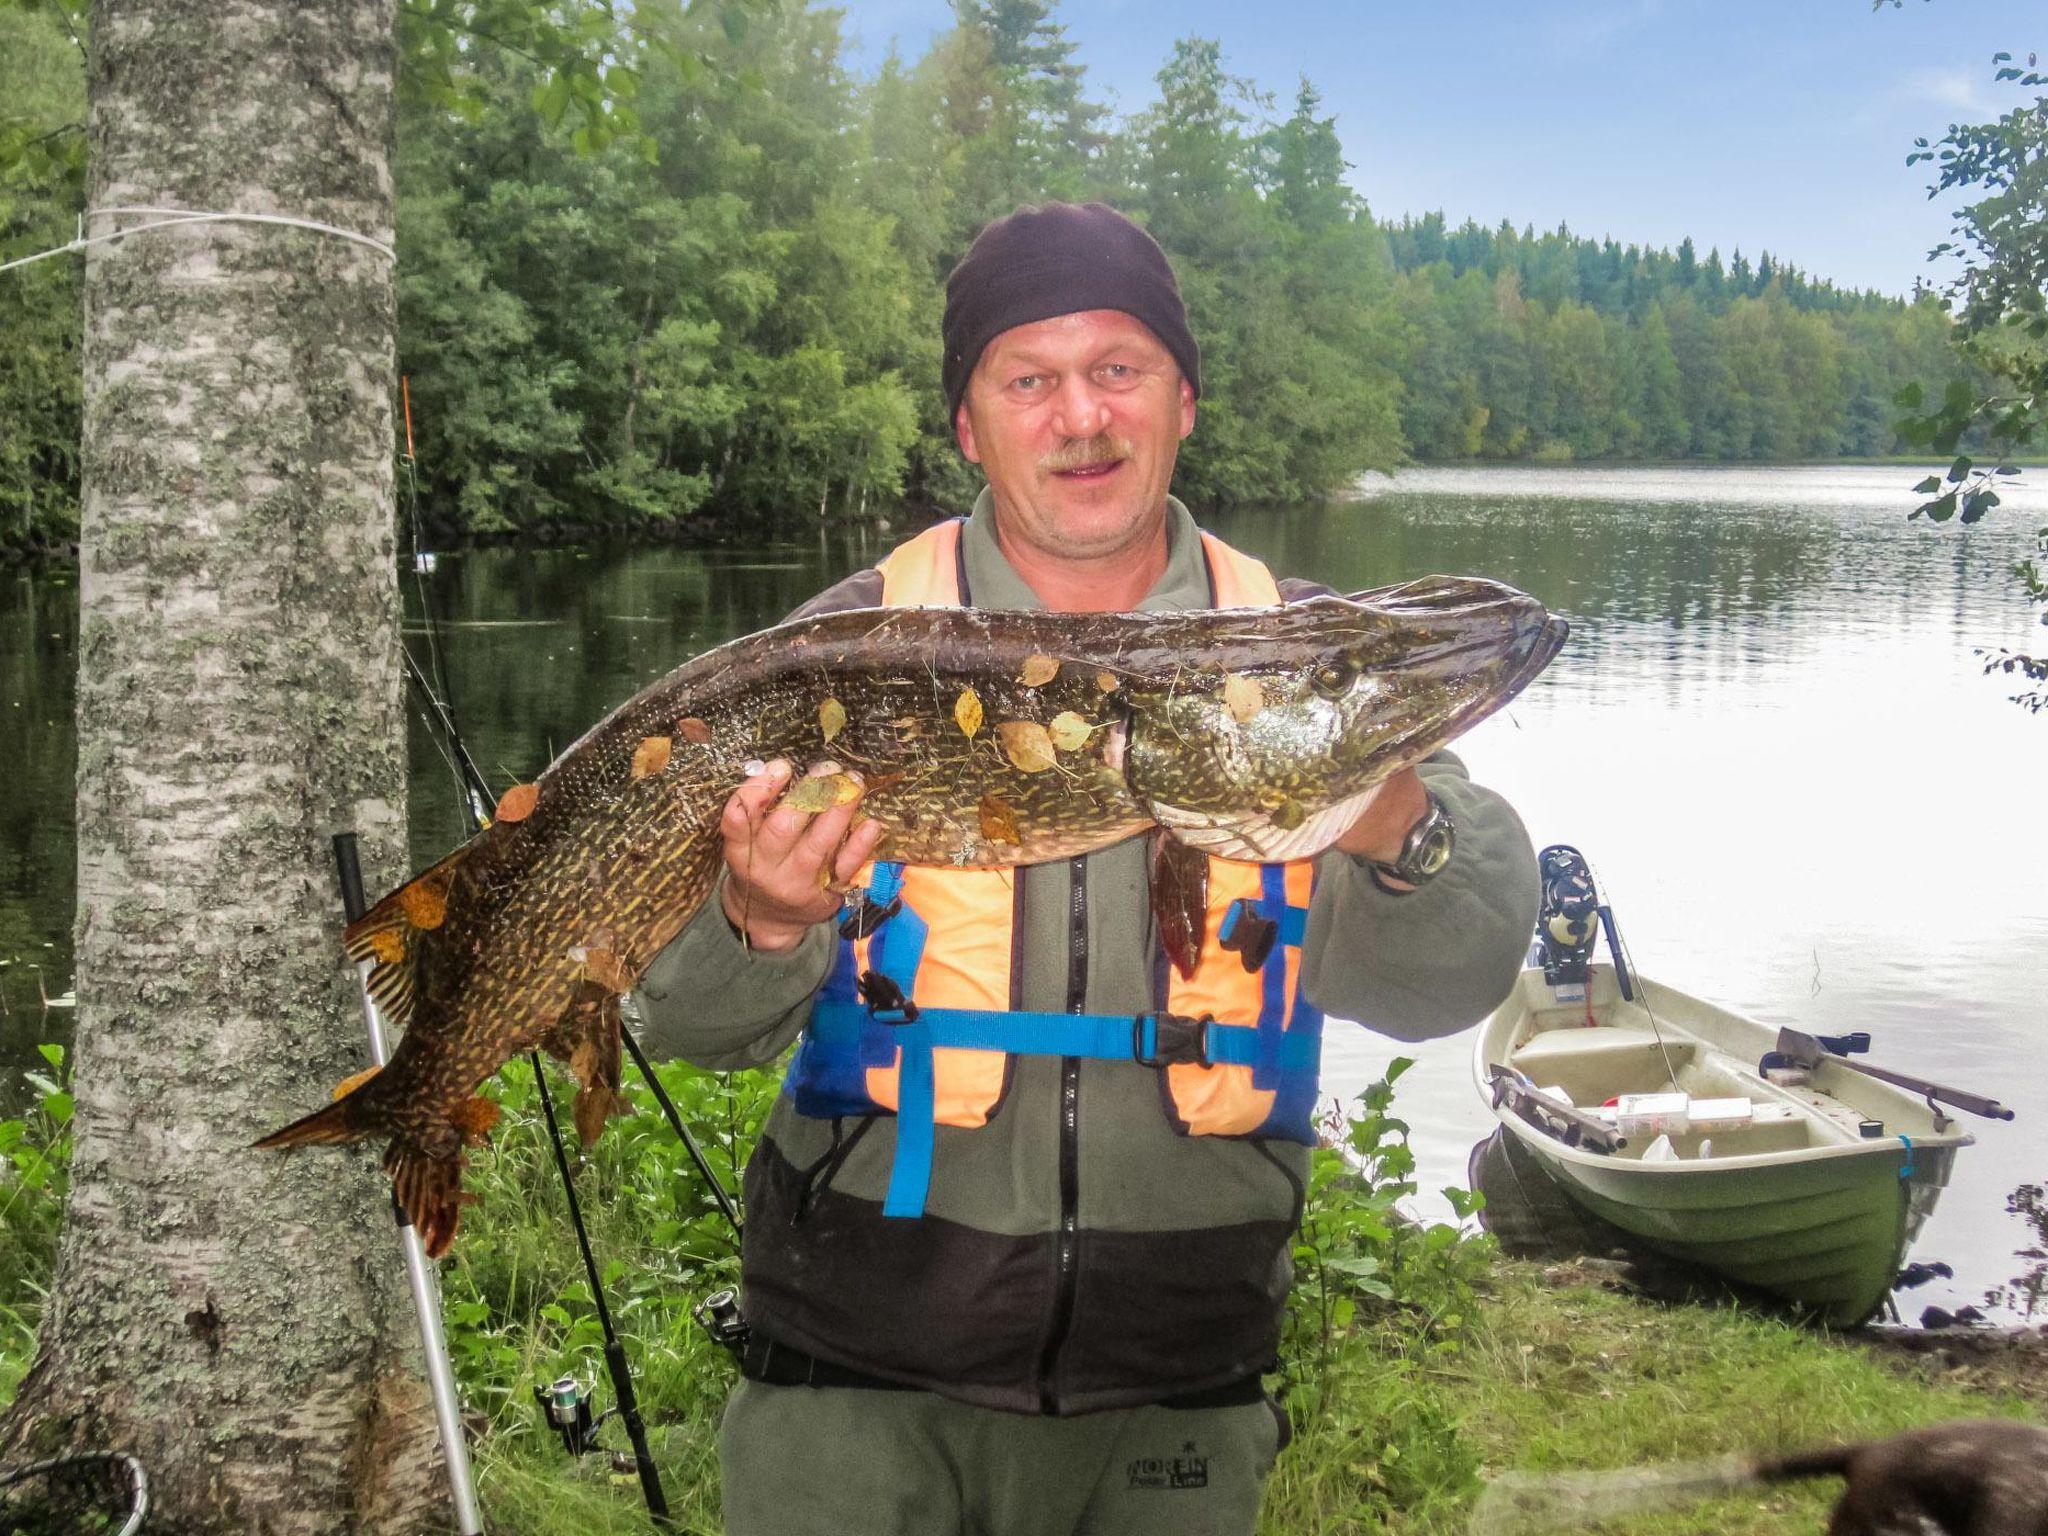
x=848, y=1034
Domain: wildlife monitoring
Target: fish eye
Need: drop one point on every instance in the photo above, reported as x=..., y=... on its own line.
x=1333, y=679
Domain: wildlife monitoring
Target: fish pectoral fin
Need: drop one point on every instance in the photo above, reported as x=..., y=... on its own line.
x=1180, y=900
x=387, y=936
x=429, y=1191
x=587, y=1038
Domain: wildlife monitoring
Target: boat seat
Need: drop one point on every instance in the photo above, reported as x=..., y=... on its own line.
x=1593, y=1063
x=1582, y=1040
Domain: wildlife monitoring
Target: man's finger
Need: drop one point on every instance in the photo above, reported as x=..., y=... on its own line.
x=749, y=803
x=786, y=822
x=858, y=848
x=825, y=833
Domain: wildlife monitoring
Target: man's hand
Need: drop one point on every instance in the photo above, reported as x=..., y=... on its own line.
x=778, y=861
x=1383, y=825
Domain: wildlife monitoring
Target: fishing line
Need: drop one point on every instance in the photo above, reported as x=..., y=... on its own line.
x=1625, y=963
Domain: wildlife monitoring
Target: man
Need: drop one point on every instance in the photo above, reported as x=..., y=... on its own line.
x=1044, y=1305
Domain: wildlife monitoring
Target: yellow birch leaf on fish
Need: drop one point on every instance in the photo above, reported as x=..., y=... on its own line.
x=1069, y=732
x=517, y=803
x=696, y=732
x=1038, y=670
x=1106, y=681
x=999, y=822
x=651, y=756
x=967, y=712
x=1243, y=697
x=388, y=945
x=424, y=903
x=605, y=968
x=831, y=717
x=822, y=791
x=1026, y=744
x=475, y=1120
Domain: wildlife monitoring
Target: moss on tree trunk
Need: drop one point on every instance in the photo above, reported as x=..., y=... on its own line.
x=236, y=1319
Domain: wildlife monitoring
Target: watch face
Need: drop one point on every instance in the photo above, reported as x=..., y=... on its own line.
x=1435, y=850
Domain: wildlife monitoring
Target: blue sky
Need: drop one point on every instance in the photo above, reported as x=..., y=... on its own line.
x=1780, y=126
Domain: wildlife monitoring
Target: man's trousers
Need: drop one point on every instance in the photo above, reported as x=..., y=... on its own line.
x=852, y=1461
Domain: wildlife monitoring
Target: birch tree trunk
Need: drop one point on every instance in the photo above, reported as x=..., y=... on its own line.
x=236, y=1319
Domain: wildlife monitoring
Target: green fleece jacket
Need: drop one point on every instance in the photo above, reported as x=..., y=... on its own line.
x=1174, y=1264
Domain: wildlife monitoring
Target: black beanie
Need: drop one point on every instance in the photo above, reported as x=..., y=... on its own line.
x=1059, y=259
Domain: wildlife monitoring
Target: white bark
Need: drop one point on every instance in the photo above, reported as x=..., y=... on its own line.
x=236, y=1319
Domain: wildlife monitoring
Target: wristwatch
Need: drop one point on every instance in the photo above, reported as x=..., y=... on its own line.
x=1425, y=850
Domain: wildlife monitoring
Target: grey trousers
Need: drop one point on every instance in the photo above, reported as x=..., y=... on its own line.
x=845, y=1461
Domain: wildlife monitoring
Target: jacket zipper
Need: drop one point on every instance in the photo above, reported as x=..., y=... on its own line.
x=1066, y=1250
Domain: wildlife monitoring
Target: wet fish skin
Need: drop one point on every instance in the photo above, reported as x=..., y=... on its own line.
x=529, y=933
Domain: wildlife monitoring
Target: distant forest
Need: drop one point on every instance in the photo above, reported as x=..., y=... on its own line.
x=731, y=318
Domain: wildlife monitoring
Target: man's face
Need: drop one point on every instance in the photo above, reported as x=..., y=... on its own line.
x=1076, y=421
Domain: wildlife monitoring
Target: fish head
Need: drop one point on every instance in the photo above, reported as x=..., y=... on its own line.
x=1276, y=726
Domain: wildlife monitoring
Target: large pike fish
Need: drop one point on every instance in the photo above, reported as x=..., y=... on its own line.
x=978, y=738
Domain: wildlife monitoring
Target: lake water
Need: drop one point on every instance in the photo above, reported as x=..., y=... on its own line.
x=1770, y=732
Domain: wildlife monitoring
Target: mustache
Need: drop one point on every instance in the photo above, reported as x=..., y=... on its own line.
x=1086, y=453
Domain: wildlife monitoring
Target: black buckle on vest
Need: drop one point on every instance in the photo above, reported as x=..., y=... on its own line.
x=885, y=999
x=1248, y=935
x=864, y=914
x=1176, y=1040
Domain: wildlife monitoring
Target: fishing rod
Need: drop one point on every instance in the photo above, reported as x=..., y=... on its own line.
x=419, y=1277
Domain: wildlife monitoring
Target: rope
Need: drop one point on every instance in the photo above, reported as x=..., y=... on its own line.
x=182, y=216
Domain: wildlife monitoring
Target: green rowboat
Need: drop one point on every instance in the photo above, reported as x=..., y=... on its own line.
x=1810, y=1190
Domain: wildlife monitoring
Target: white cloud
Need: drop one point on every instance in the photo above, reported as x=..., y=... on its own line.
x=1957, y=87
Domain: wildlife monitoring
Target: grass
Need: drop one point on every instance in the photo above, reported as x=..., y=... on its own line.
x=1419, y=1361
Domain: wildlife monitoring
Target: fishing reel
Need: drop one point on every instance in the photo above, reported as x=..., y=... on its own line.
x=565, y=1404
x=719, y=1316
x=1569, y=919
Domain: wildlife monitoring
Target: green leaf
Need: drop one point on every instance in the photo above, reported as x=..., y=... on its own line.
x=58, y=1107
x=1909, y=397
x=53, y=1053
x=1958, y=470
x=1928, y=486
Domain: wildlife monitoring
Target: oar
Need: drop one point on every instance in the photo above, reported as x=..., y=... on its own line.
x=1810, y=1052
x=1566, y=1123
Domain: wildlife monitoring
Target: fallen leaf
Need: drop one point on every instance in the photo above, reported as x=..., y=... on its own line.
x=1289, y=814
x=696, y=732
x=1243, y=697
x=605, y=968
x=967, y=712
x=999, y=822
x=651, y=756
x=517, y=803
x=1027, y=745
x=822, y=791
x=388, y=946
x=1038, y=670
x=831, y=717
x=1069, y=732
x=425, y=903
x=1106, y=681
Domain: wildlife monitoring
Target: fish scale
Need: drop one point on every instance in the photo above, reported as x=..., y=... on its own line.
x=527, y=935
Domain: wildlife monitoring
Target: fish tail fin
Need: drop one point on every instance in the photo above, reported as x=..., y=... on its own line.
x=429, y=1191
x=347, y=1119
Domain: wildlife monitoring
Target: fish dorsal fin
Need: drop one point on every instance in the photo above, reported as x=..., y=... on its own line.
x=387, y=936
